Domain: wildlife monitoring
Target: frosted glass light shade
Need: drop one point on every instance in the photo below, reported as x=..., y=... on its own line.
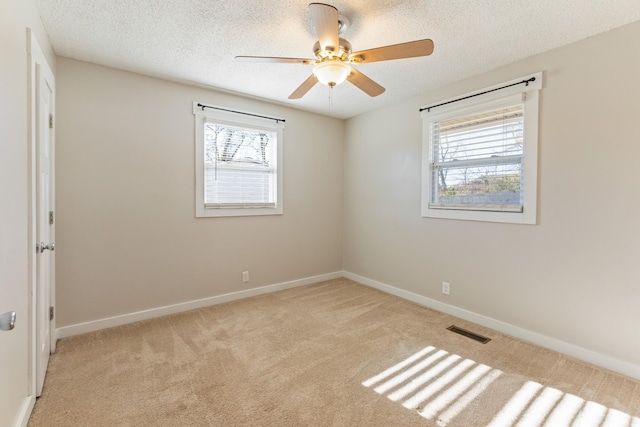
x=331, y=72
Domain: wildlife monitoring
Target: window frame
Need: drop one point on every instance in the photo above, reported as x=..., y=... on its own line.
x=476, y=103
x=242, y=120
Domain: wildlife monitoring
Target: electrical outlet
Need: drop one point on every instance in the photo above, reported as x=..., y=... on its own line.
x=445, y=288
x=245, y=276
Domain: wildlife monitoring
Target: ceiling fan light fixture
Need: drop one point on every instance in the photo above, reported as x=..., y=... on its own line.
x=331, y=72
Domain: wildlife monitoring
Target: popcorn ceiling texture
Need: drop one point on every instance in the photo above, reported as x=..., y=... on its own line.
x=196, y=40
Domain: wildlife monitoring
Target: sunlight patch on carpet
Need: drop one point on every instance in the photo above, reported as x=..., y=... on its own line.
x=439, y=386
x=435, y=383
x=392, y=370
x=420, y=380
x=536, y=405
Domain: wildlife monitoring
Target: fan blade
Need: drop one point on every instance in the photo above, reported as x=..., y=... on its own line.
x=364, y=83
x=396, y=51
x=325, y=21
x=304, y=87
x=274, y=59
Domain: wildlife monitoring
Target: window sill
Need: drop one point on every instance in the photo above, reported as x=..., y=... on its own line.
x=469, y=215
x=203, y=212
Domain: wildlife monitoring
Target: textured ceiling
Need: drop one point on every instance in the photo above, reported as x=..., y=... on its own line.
x=197, y=40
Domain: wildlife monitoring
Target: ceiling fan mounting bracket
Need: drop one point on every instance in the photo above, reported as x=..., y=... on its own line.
x=343, y=24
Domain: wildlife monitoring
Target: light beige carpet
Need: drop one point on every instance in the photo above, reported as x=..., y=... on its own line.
x=335, y=353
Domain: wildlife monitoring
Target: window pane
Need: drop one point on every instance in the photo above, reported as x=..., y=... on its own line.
x=486, y=185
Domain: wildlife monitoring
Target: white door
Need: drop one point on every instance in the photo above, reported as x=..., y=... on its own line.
x=18, y=290
x=45, y=220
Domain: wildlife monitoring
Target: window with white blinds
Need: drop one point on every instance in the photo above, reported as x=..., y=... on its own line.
x=238, y=164
x=477, y=160
x=240, y=167
x=480, y=156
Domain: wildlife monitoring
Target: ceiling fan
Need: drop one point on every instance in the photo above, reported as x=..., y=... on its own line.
x=333, y=60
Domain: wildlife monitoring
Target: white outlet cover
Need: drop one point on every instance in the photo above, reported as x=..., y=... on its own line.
x=445, y=288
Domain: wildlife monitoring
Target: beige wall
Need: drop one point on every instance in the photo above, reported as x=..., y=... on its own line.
x=15, y=17
x=575, y=276
x=128, y=239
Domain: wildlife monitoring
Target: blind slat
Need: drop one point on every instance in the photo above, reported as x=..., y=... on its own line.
x=477, y=207
x=468, y=127
x=238, y=205
x=498, y=160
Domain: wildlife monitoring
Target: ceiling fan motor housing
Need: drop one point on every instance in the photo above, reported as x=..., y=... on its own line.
x=342, y=52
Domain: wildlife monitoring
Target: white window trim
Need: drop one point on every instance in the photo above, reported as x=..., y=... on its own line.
x=530, y=154
x=234, y=119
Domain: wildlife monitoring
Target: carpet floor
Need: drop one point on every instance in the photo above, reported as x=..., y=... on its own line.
x=335, y=353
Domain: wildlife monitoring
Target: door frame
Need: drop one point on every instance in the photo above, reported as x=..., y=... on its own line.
x=37, y=60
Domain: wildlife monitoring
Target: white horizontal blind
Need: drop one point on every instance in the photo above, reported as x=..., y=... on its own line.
x=476, y=160
x=240, y=167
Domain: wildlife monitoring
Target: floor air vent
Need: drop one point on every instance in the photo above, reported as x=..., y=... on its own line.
x=469, y=334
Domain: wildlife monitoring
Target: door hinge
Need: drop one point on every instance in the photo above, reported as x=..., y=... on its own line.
x=50, y=121
x=51, y=313
x=50, y=217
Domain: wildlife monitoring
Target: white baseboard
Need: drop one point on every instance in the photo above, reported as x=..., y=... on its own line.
x=109, y=322
x=25, y=411
x=599, y=359
x=590, y=356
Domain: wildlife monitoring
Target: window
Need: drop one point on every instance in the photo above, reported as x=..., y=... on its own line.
x=238, y=164
x=480, y=156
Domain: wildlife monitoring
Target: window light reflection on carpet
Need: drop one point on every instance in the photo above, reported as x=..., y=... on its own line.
x=440, y=385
